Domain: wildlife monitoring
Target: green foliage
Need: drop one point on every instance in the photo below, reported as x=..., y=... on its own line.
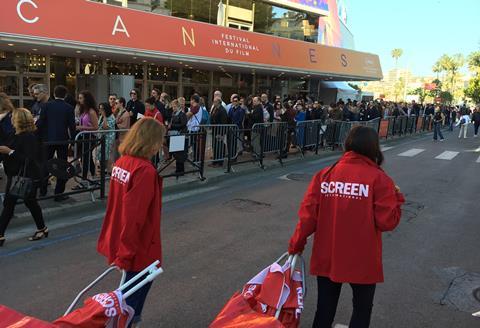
x=446, y=96
x=474, y=62
x=473, y=89
x=420, y=92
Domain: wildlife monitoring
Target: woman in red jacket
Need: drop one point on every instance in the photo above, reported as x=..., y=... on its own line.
x=348, y=206
x=130, y=236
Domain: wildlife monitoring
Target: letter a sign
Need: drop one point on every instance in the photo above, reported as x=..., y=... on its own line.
x=120, y=27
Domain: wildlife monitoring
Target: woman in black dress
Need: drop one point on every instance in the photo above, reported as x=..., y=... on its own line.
x=22, y=153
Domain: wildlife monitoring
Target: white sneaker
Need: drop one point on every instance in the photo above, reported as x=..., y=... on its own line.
x=442, y=139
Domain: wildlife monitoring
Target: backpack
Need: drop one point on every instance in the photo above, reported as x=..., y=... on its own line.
x=205, y=117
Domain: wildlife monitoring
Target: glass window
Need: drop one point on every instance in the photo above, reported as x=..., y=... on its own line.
x=9, y=85
x=245, y=84
x=27, y=81
x=195, y=76
x=36, y=64
x=159, y=73
x=114, y=68
x=88, y=67
x=285, y=23
x=9, y=61
x=63, y=72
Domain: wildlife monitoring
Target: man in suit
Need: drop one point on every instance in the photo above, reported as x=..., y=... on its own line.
x=57, y=124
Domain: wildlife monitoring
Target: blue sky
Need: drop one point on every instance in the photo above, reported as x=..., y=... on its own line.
x=424, y=29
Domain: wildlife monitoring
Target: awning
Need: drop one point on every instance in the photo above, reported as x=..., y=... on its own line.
x=98, y=28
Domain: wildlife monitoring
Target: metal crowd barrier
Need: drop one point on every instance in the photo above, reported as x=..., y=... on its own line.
x=193, y=154
x=217, y=149
x=309, y=134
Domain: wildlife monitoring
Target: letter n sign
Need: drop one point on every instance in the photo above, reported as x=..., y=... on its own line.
x=190, y=37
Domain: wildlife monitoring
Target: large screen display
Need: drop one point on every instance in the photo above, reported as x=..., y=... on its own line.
x=319, y=7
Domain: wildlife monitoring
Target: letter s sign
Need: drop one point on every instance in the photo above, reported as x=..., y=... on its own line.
x=20, y=14
x=343, y=58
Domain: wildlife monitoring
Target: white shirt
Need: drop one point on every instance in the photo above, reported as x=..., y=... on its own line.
x=193, y=124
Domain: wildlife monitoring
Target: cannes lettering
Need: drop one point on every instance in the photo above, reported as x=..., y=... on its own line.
x=345, y=189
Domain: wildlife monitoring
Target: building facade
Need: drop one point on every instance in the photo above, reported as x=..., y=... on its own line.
x=178, y=46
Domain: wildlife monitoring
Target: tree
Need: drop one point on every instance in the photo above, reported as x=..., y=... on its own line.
x=420, y=92
x=437, y=68
x=446, y=97
x=474, y=62
x=473, y=89
x=396, y=54
x=451, y=65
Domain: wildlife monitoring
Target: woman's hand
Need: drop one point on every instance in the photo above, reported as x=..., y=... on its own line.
x=397, y=188
x=5, y=150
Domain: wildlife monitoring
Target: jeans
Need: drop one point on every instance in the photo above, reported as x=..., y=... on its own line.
x=9, y=208
x=437, y=131
x=137, y=299
x=464, y=129
x=328, y=295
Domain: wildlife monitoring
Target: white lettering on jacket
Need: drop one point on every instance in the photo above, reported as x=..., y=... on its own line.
x=120, y=175
x=345, y=189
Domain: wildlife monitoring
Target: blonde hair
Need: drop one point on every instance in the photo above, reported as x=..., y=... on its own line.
x=5, y=104
x=145, y=135
x=23, y=121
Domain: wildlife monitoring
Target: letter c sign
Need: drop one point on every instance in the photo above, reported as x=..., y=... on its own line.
x=20, y=14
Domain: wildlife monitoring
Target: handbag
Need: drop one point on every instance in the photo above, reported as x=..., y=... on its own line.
x=22, y=186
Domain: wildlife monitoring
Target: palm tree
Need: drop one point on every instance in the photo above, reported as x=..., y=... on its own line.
x=396, y=54
x=437, y=68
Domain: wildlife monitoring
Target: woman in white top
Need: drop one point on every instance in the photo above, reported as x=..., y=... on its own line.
x=464, y=121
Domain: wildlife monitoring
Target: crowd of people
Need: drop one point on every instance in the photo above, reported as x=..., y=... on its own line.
x=59, y=119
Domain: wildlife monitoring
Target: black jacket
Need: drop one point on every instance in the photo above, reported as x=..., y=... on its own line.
x=136, y=107
x=179, y=122
x=476, y=117
x=219, y=116
x=56, y=120
x=27, y=150
x=257, y=115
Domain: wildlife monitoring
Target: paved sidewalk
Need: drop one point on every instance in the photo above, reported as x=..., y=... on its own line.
x=172, y=185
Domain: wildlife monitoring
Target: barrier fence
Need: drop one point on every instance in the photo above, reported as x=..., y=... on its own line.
x=225, y=146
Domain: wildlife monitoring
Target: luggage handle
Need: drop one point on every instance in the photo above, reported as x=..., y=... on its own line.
x=153, y=271
x=293, y=261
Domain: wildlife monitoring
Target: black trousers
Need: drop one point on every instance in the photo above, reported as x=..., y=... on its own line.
x=62, y=153
x=328, y=295
x=9, y=204
x=476, y=126
x=85, y=149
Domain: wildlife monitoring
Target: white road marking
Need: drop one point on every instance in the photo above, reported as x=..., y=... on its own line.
x=478, y=160
x=448, y=155
x=412, y=152
x=340, y=326
x=384, y=148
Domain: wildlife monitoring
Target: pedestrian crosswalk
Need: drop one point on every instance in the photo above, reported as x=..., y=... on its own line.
x=411, y=152
x=447, y=155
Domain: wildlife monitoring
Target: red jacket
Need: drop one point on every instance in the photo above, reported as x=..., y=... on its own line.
x=155, y=114
x=348, y=209
x=130, y=235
